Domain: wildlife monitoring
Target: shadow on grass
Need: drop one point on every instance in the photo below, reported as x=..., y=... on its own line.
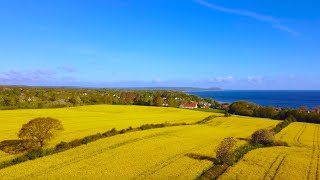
x=201, y=158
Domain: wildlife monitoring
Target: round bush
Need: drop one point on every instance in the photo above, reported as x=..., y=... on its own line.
x=263, y=136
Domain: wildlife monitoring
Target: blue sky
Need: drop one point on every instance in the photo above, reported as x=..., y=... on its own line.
x=230, y=44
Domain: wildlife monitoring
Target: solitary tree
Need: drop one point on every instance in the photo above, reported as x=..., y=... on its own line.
x=40, y=131
x=224, y=151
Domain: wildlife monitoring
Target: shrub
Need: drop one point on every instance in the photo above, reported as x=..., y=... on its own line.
x=263, y=136
x=75, y=143
x=227, y=114
x=291, y=119
x=34, y=155
x=122, y=131
x=20, y=159
x=63, y=146
x=145, y=127
x=112, y=132
x=224, y=151
x=86, y=140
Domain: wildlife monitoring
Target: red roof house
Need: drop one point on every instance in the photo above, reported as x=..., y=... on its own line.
x=192, y=105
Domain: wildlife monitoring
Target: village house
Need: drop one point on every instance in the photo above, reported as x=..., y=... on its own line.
x=192, y=105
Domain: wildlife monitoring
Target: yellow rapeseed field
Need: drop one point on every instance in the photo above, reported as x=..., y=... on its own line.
x=79, y=122
x=299, y=161
x=153, y=154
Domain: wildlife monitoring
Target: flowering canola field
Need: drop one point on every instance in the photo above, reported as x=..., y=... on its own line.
x=152, y=154
x=299, y=161
x=79, y=122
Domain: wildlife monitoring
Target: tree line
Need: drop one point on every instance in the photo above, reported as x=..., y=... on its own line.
x=302, y=114
x=38, y=97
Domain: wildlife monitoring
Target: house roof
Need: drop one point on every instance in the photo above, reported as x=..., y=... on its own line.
x=194, y=104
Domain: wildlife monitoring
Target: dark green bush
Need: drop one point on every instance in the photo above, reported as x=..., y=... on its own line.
x=20, y=159
x=122, y=131
x=86, y=140
x=112, y=132
x=145, y=127
x=34, y=155
x=75, y=143
x=63, y=146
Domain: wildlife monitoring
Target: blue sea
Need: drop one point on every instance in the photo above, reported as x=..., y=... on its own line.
x=292, y=99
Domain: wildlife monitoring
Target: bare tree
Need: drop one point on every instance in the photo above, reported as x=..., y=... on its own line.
x=224, y=151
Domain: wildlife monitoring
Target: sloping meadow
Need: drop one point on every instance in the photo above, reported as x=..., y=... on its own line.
x=82, y=121
x=181, y=152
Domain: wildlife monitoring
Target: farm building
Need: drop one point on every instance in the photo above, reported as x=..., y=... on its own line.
x=192, y=105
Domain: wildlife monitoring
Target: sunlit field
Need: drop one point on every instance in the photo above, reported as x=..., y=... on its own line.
x=79, y=122
x=153, y=154
x=299, y=161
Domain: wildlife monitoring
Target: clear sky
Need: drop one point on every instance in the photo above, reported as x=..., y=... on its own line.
x=241, y=44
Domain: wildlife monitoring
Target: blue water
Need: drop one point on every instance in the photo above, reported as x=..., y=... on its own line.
x=292, y=99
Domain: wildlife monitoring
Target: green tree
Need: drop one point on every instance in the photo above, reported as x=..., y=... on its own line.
x=157, y=100
x=40, y=131
x=172, y=102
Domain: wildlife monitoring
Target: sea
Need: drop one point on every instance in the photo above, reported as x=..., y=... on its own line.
x=283, y=99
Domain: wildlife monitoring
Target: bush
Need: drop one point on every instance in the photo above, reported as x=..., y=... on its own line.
x=63, y=146
x=145, y=127
x=112, y=132
x=20, y=159
x=75, y=143
x=291, y=119
x=34, y=155
x=123, y=131
x=263, y=136
x=224, y=151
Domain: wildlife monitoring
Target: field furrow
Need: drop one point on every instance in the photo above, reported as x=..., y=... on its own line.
x=318, y=158
x=314, y=150
x=278, y=167
x=301, y=160
x=271, y=166
x=299, y=134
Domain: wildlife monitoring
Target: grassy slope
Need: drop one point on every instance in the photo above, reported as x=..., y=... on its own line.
x=79, y=122
x=299, y=161
x=153, y=154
